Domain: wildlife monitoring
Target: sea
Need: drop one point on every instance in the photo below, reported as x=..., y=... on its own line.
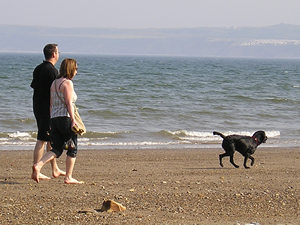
x=154, y=102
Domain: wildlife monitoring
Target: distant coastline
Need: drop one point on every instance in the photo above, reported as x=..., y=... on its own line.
x=277, y=41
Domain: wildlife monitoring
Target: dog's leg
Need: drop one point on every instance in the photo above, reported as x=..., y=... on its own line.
x=245, y=161
x=220, y=158
x=252, y=160
x=232, y=162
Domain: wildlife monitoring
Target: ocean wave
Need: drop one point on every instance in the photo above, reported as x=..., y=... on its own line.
x=13, y=121
x=27, y=120
x=192, y=136
x=189, y=133
x=91, y=134
x=19, y=134
x=243, y=98
x=133, y=143
x=108, y=134
x=148, y=109
x=105, y=113
x=129, y=140
x=196, y=136
x=277, y=99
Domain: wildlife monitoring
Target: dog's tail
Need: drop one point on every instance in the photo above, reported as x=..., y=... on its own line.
x=218, y=133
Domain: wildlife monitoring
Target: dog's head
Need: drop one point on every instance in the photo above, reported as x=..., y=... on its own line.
x=260, y=137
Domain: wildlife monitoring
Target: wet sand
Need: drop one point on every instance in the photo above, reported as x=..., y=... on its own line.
x=156, y=186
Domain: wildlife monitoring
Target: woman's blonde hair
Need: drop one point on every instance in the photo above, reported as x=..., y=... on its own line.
x=67, y=68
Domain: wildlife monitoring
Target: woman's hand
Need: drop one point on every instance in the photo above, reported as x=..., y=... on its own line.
x=73, y=123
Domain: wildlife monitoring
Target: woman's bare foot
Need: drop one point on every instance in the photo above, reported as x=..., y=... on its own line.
x=72, y=181
x=56, y=173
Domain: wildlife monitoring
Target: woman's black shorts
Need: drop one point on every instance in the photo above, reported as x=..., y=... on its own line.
x=60, y=133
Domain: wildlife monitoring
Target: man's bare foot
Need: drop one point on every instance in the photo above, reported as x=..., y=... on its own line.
x=58, y=172
x=72, y=181
x=35, y=173
x=43, y=177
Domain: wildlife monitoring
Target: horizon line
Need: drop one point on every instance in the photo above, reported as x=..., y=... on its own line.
x=149, y=28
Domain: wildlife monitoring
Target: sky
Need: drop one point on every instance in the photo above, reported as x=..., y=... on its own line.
x=149, y=13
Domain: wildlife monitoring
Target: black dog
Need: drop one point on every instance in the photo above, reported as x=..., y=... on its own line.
x=245, y=145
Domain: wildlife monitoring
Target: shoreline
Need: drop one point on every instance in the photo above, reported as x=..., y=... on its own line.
x=157, y=140
x=157, y=186
x=203, y=146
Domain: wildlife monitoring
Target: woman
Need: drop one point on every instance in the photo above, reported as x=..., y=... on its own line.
x=62, y=120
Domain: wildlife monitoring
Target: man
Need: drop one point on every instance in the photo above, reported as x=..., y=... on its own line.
x=43, y=76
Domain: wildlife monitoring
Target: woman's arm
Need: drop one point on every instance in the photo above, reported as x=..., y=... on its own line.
x=68, y=91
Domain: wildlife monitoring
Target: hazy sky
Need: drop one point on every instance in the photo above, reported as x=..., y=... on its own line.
x=149, y=13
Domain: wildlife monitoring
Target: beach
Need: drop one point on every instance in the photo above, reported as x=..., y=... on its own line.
x=158, y=186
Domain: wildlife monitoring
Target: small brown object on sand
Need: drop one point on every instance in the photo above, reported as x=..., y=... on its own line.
x=112, y=206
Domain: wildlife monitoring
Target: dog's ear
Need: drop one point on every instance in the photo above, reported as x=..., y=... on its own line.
x=261, y=136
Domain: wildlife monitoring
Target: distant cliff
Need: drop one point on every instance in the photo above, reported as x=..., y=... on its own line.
x=278, y=41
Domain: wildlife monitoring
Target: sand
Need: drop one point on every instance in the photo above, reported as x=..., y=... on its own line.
x=156, y=186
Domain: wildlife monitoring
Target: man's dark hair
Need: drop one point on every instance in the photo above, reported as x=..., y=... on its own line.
x=49, y=49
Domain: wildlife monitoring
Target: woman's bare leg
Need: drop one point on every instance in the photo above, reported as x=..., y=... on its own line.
x=56, y=172
x=70, y=162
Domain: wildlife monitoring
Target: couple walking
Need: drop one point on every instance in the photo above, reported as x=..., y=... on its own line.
x=54, y=91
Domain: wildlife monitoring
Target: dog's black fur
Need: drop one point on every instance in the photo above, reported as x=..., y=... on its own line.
x=245, y=145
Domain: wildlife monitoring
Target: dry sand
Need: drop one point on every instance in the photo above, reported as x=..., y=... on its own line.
x=156, y=187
